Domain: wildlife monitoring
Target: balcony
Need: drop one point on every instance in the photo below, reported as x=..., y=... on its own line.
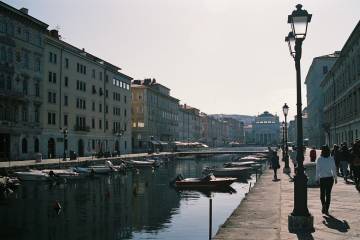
x=79, y=128
x=12, y=95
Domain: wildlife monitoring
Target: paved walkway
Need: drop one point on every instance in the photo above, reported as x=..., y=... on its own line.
x=263, y=214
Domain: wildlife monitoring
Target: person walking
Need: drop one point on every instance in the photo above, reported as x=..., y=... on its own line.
x=344, y=161
x=313, y=154
x=335, y=153
x=326, y=175
x=356, y=163
x=275, y=164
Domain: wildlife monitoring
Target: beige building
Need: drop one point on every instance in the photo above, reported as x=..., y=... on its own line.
x=86, y=95
x=21, y=77
x=341, y=87
x=154, y=114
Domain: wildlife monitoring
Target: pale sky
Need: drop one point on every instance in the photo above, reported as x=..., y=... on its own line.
x=221, y=56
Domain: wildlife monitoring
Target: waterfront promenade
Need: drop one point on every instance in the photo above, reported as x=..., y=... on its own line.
x=263, y=214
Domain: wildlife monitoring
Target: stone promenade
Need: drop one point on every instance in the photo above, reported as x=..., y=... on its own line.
x=263, y=214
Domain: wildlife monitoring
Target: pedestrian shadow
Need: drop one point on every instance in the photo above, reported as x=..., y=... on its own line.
x=305, y=236
x=334, y=223
x=276, y=180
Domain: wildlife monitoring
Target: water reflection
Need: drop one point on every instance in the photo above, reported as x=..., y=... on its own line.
x=132, y=206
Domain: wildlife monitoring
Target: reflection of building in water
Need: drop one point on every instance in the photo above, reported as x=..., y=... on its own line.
x=153, y=200
x=92, y=209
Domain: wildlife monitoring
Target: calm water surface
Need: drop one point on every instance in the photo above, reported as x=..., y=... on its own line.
x=132, y=206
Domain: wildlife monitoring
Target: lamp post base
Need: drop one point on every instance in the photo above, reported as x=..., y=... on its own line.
x=298, y=224
x=287, y=170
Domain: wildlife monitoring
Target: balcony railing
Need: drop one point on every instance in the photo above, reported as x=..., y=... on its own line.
x=82, y=128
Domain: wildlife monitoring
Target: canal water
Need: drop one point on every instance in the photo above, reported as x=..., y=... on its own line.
x=132, y=206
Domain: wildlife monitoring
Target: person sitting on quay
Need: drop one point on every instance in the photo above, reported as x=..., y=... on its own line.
x=326, y=175
x=313, y=154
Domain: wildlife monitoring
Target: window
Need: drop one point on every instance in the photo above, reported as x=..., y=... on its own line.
x=100, y=75
x=100, y=107
x=93, y=106
x=66, y=118
x=37, y=90
x=36, y=115
x=51, y=97
x=52, y=77
x=66, y=100
x=26, y=59
x=106, y=125
x=66, y=63
x=93, y=123
x=106, y=93
x=106, y=108
x=93, y=73
x=51, y=118
x=125, y=112
x=24, y=114
x=37, y=64
x=25, y=86
x=52, y=58
x=66, y=81
x=27, y=35
x=100, y=124
x=36, y=145
x=24, y=145
x=124, y=99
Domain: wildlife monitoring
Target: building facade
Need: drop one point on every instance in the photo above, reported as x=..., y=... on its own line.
x=320, y=66
x=266, y=129
x=21, y=77
x=86, y=95
x=341, y=88
x=48, y=86
x=189, y=124
x=154, y=114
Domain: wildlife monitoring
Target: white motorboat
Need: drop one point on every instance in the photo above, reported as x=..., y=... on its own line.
x=68, y=174
x=239, y=164
x=102, y=169
x=33, y=175
x=228, y=172
x=144, y=163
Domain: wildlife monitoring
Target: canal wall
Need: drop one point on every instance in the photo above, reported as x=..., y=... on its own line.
x=80, y=161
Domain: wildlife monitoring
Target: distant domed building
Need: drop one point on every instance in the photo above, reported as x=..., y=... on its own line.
x=266, y=129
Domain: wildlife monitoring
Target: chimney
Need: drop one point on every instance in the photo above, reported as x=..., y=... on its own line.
x=24, y=10
x=54, y=33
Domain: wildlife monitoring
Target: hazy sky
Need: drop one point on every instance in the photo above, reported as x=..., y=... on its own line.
x=221, y=56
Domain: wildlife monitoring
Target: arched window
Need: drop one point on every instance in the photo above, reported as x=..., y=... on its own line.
x=36, y=145
x=24, y=145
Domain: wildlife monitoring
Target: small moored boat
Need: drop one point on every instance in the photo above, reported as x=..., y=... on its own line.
x=33, y=175
x=239, y=164
x=209, y=181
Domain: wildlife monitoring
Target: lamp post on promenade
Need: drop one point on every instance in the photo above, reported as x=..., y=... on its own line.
x=300, y=219
x=64, y=131
x=286, y=169
x=283, y=140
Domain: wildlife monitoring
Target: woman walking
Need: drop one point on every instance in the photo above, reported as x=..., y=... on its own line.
x=275, y=164
x=326, y=174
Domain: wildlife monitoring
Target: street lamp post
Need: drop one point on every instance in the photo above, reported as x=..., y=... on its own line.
x=286, y=169
x=283, y=140
x=64, y=131
x=300, y=219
